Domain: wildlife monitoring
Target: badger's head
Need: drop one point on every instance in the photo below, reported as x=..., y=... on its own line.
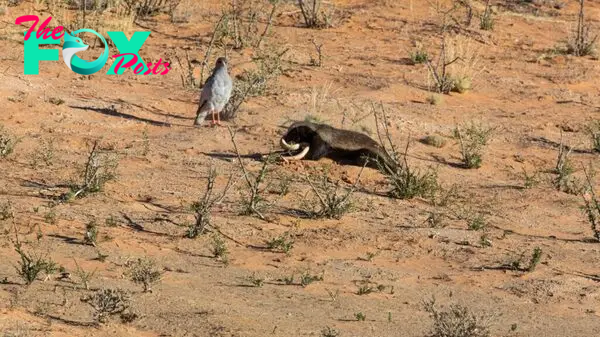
x=298, y=137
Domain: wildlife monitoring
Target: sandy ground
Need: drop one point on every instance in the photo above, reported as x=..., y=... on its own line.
x=520, y=88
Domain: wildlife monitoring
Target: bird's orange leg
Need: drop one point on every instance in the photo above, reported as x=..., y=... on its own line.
x=218, y=118
x=212, y=112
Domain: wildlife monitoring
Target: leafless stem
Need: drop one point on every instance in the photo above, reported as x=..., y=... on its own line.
x=269, y=22
x=210, y=46
x=253, y=186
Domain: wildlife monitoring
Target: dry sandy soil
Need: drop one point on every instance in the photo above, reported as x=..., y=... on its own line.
x=523, y=90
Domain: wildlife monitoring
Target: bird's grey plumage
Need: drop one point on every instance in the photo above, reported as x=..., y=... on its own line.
x=215, y=92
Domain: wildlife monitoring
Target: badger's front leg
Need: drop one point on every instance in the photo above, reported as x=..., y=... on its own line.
x=318, y=149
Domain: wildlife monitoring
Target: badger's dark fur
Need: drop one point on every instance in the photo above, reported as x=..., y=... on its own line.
x=337, y=144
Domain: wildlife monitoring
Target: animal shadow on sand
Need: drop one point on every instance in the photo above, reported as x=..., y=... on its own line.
x=112, y=111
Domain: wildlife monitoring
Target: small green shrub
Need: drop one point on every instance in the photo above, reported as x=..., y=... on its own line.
x=581, y=43
x=330, y=202
x=419, y=56
x=360, y=316
x=7, y=142
x=98, y=169
x=109, y=302
x=472, y=140
x=487, y=20
x=456, y=321
x=6, y=211
x=307, y=278
x=144, y=271
x=219, y=248
x=535, y=259
x=477, y=222
x=203, y=207
x=593, y=130
x=283, y=242
x=592, y=206
x=90, y=236
x=30, y=266
x=434, y=140
x=435, y=99
x=329, y=332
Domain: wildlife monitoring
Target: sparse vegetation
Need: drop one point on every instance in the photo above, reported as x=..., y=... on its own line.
x=7, y=142
x=519, y=263
x=107, y=303
x=330, y=204
x=318, y=61
x=98, y=170
x=219, y=248
x=31, y=265
x=254, y=202
x=256, y=281
x=592, y=205
x=407, y=183
x=329, y=332
x=284, y=183
x=144, y=271
x=536, y=256
x=6, y=211
x=434, y=99
x=145, y=142
x=288, y=280
x=360, y=316
x=485, y=241
x=99, y=15
x=284, y=242
x=307, y=278
x=84, y=276
x=240, y=23
x=434, y=140
x=313, y=14
x=456, y=321
x=477, y=222
x=90, y=236
x=419, y=56
x=581, y=42
x=530, y=180
x=143, y=9
x=516, y=263
x=457, y=59
x=44, y=153
x=111, y=221
x=260, y=81
x=186, y=71
x=564, y=181
x=487, y=18
x=593, y=130
x=51, y=217
x=364, y=290
x=241, y=90
x=56, y=100
x=472, y=140
x=563, y=168
x=369, y=256
x=419, y=222
x=202, y=208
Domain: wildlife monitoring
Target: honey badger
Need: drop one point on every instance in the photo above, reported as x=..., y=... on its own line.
x=320, y=140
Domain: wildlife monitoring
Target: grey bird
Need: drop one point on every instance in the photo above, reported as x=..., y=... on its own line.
x=215, y=93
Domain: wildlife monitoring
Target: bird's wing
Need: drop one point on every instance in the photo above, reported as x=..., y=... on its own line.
x=207, y=89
